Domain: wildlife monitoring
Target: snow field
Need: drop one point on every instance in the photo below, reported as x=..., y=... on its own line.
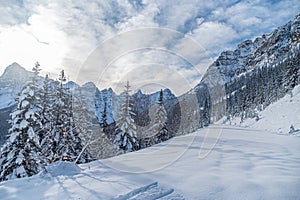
x=243, y=164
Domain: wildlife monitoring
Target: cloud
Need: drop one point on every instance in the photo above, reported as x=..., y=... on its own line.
x=114, y=60
x=152, y=67
x=65, y=34
x=37, y=40
x=254, y=18
x=13, y=12
x=215, y=36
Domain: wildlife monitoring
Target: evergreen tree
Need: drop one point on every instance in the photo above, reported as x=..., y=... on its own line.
x=83, y=118
x=103, y=122
x=46, y=117
x=205, y=116
x=66, y=144
x=160, y=121
x=290, y=78
x=20, y=156
x=126, y=130
x=81, y=115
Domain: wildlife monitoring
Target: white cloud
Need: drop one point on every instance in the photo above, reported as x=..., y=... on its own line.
x=215, y=36
x=152, y=67
x=38, y=40
x=144, y=19
x=65, y=33
x=117, y=58
x=254, y=18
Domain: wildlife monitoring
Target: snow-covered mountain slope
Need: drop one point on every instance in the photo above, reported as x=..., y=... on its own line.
x=242, y=164
x=94, y=99
x=86, y=97
x=269, y=48
x=11, y=82
x=277, y=117
x=255, y=74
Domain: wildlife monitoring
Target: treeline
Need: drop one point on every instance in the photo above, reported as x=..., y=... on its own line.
x=51, y=123
x=253, y=91
x=42, y=129
x=129, y=137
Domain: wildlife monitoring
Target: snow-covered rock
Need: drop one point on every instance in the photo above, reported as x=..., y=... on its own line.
x=249, y=54
x=11, y=82
x=62, y=168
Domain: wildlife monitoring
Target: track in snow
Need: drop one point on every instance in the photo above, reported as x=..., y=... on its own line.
x=149, y=192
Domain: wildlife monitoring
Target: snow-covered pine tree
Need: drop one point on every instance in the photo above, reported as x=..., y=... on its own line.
x=81, y=115
x=89, y=133
x=290, y=78
x=126, y=130
x=66, y=144
x=20, y=156
x=46, y=117
x=160, y=121
x=103, y=122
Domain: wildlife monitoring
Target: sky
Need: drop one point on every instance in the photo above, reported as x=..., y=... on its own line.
x=151, y=43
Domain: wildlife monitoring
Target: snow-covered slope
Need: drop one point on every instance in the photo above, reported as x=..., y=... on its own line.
x=277, y=117
x=242, y=164
x=270, y=48
x=255, y=74
x=11, y=82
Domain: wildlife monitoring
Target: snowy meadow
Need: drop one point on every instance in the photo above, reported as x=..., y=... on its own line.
x=244, y=164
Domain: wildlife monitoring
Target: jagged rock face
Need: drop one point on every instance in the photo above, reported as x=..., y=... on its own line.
x=266, y=49
x=295, y=29
x=144, y=107
x=263, y=51
x=11, y=82
x=93, y=99
x=15, y=71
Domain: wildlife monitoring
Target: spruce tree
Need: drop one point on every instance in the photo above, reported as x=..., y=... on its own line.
x=46, y=117
x=66, y=144
x=126, y=130
x=81, y=115
x=21, y=156
x=160, y=121
x=83, y=119
x=103, y=122
x=290, y=78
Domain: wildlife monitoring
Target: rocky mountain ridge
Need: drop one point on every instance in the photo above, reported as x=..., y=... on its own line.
x=262, y=57
x=15, y=76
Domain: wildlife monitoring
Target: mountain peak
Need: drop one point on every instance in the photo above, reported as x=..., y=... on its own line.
x=89, y=85
x=14, y=66
x=71, y=85
x=168, y=94
x=14, y=70
x=139, y=93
